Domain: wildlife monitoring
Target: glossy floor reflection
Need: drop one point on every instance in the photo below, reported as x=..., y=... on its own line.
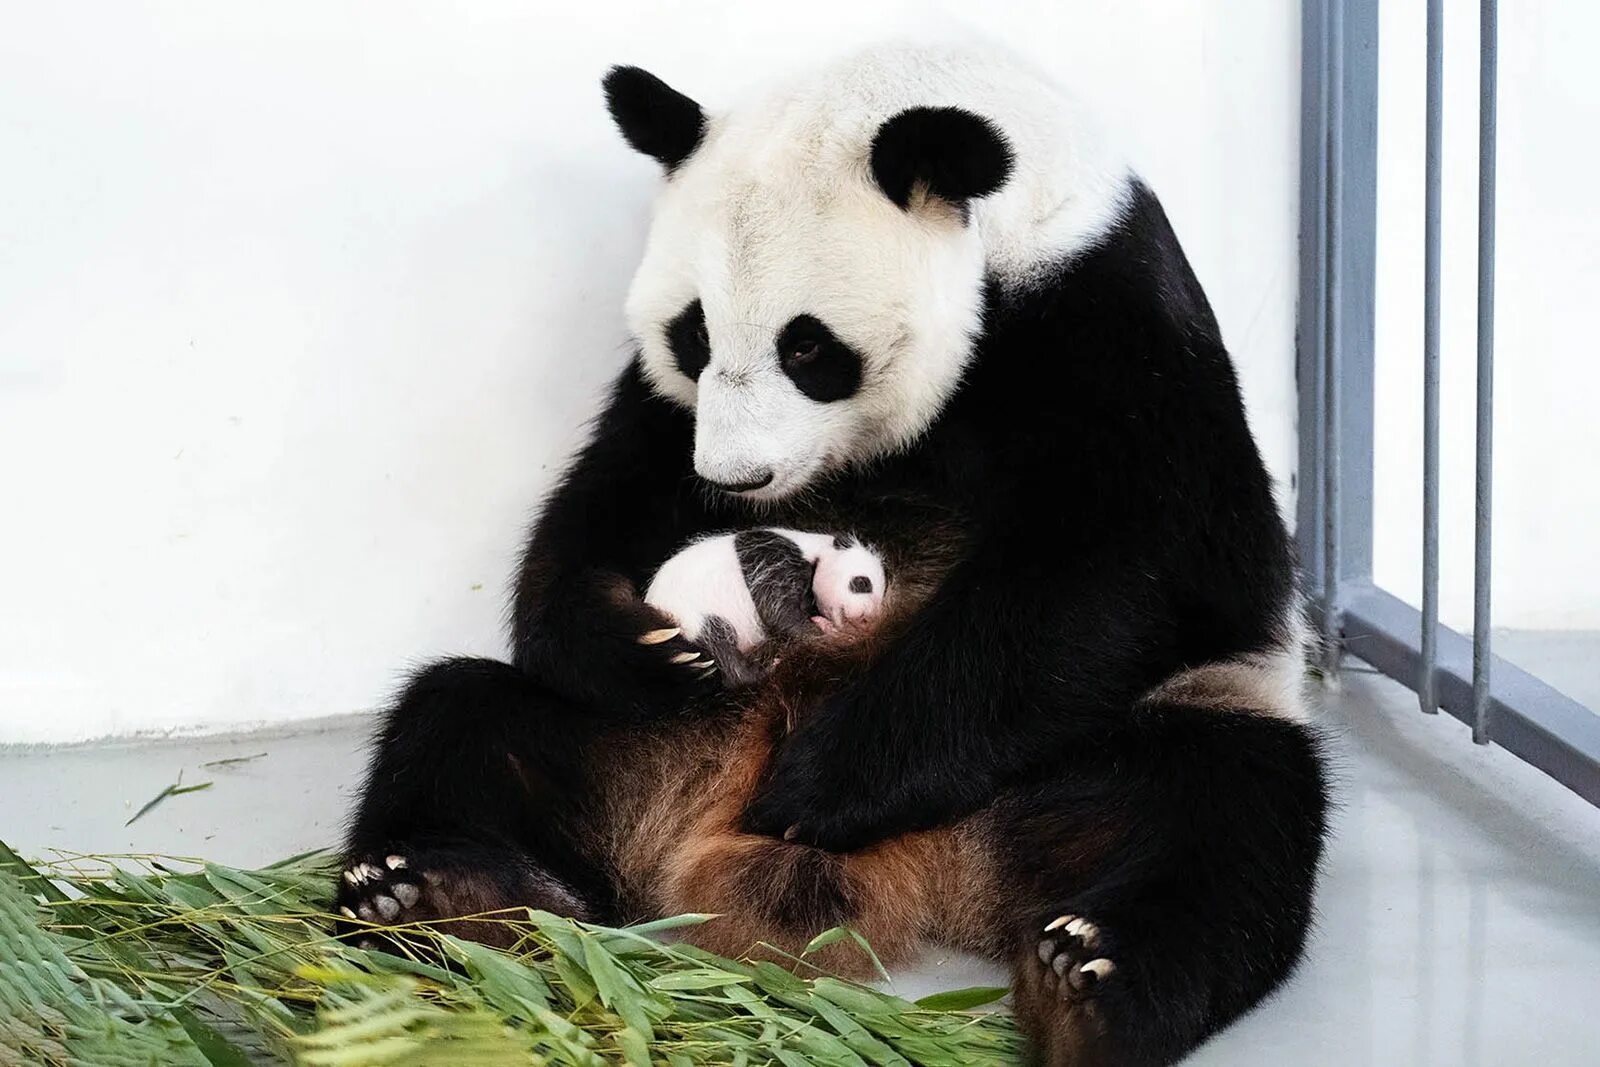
x=1459, y=912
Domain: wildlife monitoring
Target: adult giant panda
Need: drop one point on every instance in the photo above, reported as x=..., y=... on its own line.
x=912, y=296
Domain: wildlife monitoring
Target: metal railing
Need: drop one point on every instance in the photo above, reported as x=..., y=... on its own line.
x=1338, y=240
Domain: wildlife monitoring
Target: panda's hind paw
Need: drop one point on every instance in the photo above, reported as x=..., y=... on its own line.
x=1075, y=957
x=381, y=890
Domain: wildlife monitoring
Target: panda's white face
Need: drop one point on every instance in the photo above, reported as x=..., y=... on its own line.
x=814, y=278
x=808, y=320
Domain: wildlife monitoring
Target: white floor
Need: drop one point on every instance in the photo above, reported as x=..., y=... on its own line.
x=1459, y=912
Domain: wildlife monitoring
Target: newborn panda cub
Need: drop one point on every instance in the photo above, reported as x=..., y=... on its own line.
x=732, y=593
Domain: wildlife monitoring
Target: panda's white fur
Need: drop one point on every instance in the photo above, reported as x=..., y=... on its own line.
x=777, y=214
x=705, y=579
x=839, y=603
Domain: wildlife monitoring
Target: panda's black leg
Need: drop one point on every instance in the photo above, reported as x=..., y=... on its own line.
x=472, y=804
x=1168, y=875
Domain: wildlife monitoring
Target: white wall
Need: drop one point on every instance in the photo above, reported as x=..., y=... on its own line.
x=1547, y=368
x=302, y=304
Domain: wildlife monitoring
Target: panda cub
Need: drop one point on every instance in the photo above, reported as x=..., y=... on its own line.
x=733, y=593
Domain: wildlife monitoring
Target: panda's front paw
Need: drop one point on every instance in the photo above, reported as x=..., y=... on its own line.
x=677, y=653
x=652, y=663
x=815, y=801
x=805, y=821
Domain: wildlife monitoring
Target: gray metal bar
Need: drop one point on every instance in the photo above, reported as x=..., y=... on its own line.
x=1309, y=364
x=1332, y=283
x=1482, y=656
x=1358, y=240
x=1427, y=692
x=1338, y=251
x=1531, y=719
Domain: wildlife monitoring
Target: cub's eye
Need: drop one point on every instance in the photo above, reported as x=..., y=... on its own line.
x=802, y=352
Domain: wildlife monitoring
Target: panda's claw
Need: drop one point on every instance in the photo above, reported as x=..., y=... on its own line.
x=1076, y=964
x=1101, y=968
x=656, y=637
x=360, y=874
x=685, y=657
x=386, y=889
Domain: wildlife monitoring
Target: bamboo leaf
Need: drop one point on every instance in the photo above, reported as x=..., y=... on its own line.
x=963, y=999
x=189, y=964
x=217, y=1050
x=175, y=789
x=826, y=938
x=680, y=980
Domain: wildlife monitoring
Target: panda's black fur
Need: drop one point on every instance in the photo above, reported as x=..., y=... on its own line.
x=1033, y=742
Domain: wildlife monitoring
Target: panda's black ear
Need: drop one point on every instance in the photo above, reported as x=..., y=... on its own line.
x=955, y=154
x=654, y=117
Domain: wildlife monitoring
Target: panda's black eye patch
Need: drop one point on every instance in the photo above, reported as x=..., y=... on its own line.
x=821, y=366
x=861, y=584
x=689, y=341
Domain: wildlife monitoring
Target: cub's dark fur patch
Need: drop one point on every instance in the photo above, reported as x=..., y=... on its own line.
x=778, y=576
x=718, y=638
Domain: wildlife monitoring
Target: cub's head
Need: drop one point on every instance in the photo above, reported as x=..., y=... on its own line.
x=849, y=583
x=813, y=279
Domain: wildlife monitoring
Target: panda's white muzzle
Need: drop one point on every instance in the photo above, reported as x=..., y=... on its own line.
x=751, y=433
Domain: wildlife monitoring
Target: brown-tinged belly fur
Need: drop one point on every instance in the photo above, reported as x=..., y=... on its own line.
x=669, y=829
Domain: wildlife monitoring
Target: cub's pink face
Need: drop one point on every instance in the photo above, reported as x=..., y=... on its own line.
x=849, y=585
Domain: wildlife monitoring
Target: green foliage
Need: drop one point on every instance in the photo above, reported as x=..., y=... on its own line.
x=137, y=960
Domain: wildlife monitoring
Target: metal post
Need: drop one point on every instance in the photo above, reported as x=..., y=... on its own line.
x=1310, y=363
x=1332, y=299
x=1338, y=145
x=1488, y=47
x=1427, y=684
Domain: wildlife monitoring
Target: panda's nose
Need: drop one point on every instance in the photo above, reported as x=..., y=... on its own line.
x=759, y=482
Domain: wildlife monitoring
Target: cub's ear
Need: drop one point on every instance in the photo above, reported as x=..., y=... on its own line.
x=954, y=154
x=654, y=117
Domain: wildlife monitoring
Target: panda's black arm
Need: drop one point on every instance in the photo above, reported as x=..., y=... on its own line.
x=966, y=701
x=627, y=502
